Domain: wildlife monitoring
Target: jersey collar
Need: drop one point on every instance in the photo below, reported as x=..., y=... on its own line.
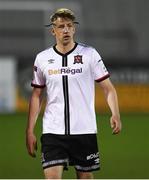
x=54, y=47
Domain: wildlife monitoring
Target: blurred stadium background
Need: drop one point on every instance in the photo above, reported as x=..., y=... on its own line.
x=118, y=29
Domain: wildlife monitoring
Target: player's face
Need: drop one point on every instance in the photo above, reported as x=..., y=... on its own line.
x=63, y=30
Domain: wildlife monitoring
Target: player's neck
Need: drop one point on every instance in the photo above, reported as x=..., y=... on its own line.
x=64, y=48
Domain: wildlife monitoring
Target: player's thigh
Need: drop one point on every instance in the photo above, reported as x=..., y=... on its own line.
x=54, y=172
x=84, y=175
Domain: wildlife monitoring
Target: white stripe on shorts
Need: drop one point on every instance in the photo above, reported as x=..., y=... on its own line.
x=53, y=162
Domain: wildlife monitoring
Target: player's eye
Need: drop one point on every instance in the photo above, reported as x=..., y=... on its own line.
x=60, y=27
x=69, y=25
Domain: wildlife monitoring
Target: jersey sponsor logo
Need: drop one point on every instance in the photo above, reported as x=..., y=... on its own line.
x=92, y=156
x=64, y=71
x=78, y=59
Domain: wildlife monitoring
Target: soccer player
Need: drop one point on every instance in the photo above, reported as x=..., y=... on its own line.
x=68, y=71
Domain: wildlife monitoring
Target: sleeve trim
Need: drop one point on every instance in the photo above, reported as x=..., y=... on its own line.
x=103, y=78
x=38, y=86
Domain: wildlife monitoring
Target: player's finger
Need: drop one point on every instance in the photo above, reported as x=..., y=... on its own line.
x=31, y=149
x=112, y=123
x=115, y=131
x=32, y=153
x=117, y=128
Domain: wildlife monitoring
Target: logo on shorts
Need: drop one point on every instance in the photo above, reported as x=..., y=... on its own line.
x=96, y=161
x=78, y=59
x=92, y=156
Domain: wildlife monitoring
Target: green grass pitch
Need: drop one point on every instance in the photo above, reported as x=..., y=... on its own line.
x=122, y=156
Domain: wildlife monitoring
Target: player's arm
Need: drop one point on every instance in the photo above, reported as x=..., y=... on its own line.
x=34, y=109
x=112, y=100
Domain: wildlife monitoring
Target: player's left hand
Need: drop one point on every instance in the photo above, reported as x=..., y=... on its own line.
x=116, y=124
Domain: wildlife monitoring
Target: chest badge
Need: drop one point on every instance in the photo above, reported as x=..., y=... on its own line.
x=78, y=59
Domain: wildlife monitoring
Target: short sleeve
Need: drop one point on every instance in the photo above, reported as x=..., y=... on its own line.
x=99, y=70
x=38, y=78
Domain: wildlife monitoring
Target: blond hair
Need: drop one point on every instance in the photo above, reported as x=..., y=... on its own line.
x=62, y=13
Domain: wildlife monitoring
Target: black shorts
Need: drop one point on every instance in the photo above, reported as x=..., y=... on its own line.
x=80, y=151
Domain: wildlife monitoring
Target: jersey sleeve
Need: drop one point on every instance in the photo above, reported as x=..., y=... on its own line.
x=99, y=70
x=38, y=80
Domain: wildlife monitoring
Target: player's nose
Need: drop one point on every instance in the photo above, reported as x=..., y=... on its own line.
x=66, y=29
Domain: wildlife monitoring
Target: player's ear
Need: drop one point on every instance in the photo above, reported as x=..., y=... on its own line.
x=52, y=31
x=74, y=29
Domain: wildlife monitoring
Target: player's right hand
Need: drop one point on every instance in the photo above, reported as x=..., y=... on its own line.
x=31, y=144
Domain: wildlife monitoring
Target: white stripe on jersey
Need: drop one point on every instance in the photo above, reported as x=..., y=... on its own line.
x=69, y=80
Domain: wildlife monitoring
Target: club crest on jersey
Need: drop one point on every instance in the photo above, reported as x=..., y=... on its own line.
x=78, y=59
